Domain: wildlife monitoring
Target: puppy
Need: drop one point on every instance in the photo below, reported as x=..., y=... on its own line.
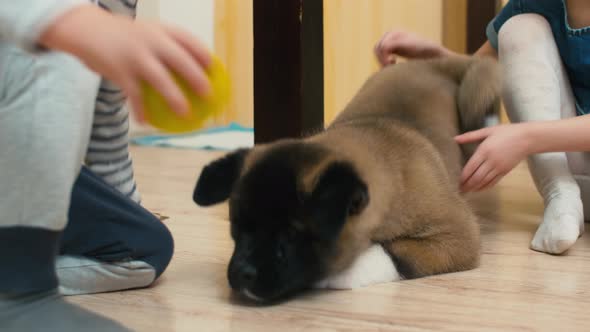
x=373, y=198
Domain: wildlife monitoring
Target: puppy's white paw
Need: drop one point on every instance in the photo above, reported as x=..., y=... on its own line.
x=371, y=267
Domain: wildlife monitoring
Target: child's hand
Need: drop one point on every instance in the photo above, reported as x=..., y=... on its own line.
x=503, y=147
x=405, y=44
x=129, y=52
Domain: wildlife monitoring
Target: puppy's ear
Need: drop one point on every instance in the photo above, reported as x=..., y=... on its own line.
x=218, y=178
x=338, y=194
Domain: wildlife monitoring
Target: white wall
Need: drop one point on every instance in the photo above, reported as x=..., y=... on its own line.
x=196, y=16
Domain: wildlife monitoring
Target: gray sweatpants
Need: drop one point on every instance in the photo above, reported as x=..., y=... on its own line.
x=47, y=103
x=46, y=109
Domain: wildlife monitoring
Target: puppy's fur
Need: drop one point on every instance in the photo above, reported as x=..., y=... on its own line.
x=381, y=181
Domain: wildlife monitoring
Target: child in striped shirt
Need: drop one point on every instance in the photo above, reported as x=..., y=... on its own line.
x=67, y=228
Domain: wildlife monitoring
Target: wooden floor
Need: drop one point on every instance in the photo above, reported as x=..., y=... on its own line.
x=515, y=289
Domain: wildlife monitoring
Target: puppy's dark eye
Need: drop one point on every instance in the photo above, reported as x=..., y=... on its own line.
x=301, y=197
x=357, y=204
x=281, y=252
x=291, y=233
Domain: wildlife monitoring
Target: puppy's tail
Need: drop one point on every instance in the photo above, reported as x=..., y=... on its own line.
x=479, y=93
x=480, y=88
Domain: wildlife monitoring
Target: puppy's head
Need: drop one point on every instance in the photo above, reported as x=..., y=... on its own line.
x=289, y=203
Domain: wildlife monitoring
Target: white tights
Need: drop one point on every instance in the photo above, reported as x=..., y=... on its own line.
x=536, y=89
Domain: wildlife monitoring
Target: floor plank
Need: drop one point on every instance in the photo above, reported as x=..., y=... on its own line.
x=514, y=289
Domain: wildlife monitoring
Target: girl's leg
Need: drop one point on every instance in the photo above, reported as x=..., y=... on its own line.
x=580, y=167
x=537, y=89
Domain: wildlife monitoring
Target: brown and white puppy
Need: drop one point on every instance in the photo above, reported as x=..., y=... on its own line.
x=373, y=198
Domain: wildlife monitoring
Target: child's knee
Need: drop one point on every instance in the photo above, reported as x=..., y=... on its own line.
x=524, y=30
x=67, y=79
x=161, y=244
x=166, y=250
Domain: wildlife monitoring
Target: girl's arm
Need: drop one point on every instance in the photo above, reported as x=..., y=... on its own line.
x=406, y=44
x=487, y=50
x=504, y=146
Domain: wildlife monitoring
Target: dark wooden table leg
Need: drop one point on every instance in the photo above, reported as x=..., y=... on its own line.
x=479, y=14
x=288, y=68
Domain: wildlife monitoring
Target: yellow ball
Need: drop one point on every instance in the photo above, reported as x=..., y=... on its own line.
x=158, y=113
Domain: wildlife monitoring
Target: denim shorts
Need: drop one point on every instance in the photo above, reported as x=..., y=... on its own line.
x=573, y=44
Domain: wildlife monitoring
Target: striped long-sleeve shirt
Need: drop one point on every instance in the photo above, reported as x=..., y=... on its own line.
x=108, y=154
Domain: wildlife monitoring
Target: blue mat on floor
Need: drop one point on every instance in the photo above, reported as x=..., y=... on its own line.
x=225, y=138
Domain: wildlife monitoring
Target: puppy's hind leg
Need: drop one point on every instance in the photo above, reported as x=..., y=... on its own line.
x=453, y=248
x=409, y=258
